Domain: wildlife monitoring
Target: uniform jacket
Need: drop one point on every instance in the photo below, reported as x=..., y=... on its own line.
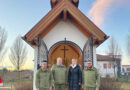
x=44, y=78
x=91, y=77
x=60, y=74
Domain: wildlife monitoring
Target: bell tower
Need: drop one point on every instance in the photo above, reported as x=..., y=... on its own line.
x=55, y=2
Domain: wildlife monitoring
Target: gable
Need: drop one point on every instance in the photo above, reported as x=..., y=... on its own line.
x=65, y=10
x=64, y=30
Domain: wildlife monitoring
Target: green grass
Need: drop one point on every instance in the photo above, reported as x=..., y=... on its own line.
x=125, y=85
x=22, y=84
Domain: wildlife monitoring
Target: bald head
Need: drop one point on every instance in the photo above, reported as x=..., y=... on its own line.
x=59, y=61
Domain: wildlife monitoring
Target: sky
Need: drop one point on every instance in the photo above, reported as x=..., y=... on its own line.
x=17, y=17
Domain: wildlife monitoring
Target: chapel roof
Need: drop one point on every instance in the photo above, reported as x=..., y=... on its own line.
x=65, y=9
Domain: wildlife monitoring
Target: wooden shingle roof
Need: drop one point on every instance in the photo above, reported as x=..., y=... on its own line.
x=65, y=10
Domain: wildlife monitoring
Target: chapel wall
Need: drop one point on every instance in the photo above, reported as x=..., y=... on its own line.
x=65, y=30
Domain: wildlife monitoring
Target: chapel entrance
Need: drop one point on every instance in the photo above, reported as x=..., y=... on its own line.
x=66, y=51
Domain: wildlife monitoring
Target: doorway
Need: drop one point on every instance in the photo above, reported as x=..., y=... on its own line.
x=67, y=50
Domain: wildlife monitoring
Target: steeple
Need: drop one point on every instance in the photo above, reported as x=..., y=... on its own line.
x=55, y=2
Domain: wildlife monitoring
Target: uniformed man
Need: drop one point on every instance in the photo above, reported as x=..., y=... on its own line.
x=90, y=77
x=59, y=72
x=44, y=78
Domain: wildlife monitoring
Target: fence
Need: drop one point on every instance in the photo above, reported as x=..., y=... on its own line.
x=111, y=84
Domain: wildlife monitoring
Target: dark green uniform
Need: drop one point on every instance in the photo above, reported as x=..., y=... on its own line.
x=91, y=79
x=60, y=76
x=44, y=79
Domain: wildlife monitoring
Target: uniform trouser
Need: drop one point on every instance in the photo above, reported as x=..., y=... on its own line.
x=89, y=88
x=59, y=87
x=43, y=88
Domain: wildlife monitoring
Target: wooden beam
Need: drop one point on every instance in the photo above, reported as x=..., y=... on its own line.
x=47, y=29
x=53, y=3
x=65, y=15
x=77, y=18
x=28, y=42
x=81, y=28
x=83, y=20
x=75, y=1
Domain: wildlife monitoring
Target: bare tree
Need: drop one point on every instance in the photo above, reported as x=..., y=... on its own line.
x=3, y=39
x=128, y=44
x=18, y=54
x=114, y=50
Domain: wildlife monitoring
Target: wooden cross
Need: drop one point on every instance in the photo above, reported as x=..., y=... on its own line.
x=65, y=49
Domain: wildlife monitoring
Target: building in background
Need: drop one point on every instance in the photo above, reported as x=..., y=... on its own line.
x=106, y=67
x=125, y=70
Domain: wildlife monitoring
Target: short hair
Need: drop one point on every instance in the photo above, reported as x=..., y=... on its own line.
x=44, y=61
x=74, y=59
x=89, y=61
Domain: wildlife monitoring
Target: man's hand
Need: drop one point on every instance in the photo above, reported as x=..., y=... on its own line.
x=37, y=88
x=79, y=83
x=67, y=85
x=82, y=86
x=97, y=88
x=50, y=88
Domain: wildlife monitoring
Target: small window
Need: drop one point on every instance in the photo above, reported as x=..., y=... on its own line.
x=128, y=69
x=105, y=66
x=123, y=70
x=109, y=66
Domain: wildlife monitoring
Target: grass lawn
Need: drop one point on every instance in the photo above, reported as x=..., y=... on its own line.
x=18, y=84
x=16, y=81
x=28, y=84
x=125, y=85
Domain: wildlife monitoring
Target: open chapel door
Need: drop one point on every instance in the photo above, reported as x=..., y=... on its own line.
x=42, y=52
x=88, y=51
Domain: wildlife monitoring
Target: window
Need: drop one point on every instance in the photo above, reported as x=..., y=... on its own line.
x=105, y=66
x=128, y=69
x=109, y=66
x=123, y=70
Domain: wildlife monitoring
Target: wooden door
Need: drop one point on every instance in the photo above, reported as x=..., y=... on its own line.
x=67, y=52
